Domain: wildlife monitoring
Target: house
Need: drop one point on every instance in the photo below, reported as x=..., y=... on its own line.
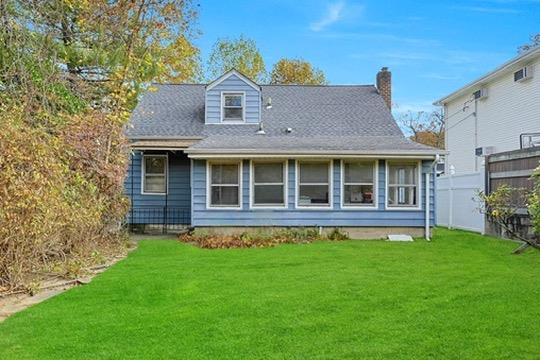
x=498, y=112
x=234, y=155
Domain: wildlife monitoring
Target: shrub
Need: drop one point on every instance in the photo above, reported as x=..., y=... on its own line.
x=337, y=235
x=259, y=238
x=534, y=202
x=50, y=212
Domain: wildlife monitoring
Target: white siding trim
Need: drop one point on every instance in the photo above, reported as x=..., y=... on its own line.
x=227, y=75
x=222, y=103
x=330, y=185
x=209, y=206
x=222, y=154
x=285, y=205
x=143, y=173
x=418, y=192
x=375, y=205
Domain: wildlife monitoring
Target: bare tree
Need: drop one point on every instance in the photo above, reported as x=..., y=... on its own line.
x=424, y=127
x=535, y=42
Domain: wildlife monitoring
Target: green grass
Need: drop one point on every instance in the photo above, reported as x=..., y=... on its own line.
x=460, y=296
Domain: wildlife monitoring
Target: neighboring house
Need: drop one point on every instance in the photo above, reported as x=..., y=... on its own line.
x=234, y=154
x=498, y=112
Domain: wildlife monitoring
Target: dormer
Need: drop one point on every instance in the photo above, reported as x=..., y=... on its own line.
x=232, y=99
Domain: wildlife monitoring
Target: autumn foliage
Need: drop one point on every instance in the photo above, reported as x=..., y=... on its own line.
x=70, y=74
x=261, y=238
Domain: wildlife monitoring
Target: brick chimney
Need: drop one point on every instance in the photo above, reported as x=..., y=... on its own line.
x=384, y=85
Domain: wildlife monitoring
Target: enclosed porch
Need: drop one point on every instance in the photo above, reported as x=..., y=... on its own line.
x=158, y=186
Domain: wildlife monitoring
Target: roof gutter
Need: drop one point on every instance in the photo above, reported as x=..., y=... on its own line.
x=491, y=75
x=161, y=137
x=216, y=154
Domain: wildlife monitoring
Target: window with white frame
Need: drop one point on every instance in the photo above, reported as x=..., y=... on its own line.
x=154, y=174
x=403, y=184
x=313, y=186
x=233, y=107
x=224, y=179
x=268, y=185
x=358, y=183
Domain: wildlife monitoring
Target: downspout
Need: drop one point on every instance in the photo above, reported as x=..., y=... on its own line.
x=132, y=195
x=475, y=134
x=427, y=209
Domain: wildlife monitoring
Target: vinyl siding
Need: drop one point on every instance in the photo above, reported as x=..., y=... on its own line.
x=231, y=84
x=178, y=199
x=291, y=216
x=509, y=110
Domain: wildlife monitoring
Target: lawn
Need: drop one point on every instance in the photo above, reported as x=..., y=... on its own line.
x=460, y=296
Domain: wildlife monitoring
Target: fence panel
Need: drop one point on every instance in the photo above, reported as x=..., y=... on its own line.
x=457, y=205
x=514, y=169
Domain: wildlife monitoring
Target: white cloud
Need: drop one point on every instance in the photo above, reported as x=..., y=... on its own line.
x=333, y=14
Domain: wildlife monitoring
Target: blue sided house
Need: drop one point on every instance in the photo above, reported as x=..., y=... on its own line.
x=234, y=155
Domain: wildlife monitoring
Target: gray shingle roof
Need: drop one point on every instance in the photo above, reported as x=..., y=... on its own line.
x=322, y=118
x=323, y=144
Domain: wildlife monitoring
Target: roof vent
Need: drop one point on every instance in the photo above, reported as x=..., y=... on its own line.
x=269, y=103
x=261, y=131
x=523, y=74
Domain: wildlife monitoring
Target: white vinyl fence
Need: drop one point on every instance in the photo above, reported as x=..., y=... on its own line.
x=456, y=202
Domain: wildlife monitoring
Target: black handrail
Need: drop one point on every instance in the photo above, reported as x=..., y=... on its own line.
x=158, y=215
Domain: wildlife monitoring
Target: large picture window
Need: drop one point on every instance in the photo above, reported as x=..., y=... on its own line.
x=154, y=174
x=403, y=185
x=313, y=184
x=268, y=184
x=359, y=186
x=233, y=107
x=224, y=179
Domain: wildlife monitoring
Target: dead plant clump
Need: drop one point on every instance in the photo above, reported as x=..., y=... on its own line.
x=208, y=240
x=54, y=221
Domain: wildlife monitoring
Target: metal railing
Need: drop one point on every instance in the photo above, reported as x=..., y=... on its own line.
x=158, y=215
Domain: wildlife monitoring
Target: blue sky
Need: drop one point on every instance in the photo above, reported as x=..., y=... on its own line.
x=431, y=47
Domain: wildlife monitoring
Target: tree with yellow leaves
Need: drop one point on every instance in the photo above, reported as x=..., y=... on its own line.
x=296, y=71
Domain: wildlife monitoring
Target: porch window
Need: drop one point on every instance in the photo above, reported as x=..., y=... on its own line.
x=268, y=186
x=154, y=174
x=403, y=183
x=224, y=181
x=314, y=185
x=233, y=107
x=359, y=183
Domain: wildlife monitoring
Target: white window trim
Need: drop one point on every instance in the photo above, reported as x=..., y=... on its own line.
x=252, y=204
x=143, y=174
x=209, y=205
x=222, y=104
x=375, y=204
x=418, y=193
x=330, y=206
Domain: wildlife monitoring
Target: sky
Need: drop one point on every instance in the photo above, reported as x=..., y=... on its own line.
x=431, y=47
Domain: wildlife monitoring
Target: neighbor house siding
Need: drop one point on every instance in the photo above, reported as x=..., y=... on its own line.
x=233, y=84
x=291, y=216
x=511, y=108
x=178, y=198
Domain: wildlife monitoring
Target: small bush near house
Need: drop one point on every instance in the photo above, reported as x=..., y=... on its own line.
x=534, y=202
x=337, y=235
x=261, y=238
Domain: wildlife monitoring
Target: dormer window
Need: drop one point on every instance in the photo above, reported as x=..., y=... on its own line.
x=232, y=107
